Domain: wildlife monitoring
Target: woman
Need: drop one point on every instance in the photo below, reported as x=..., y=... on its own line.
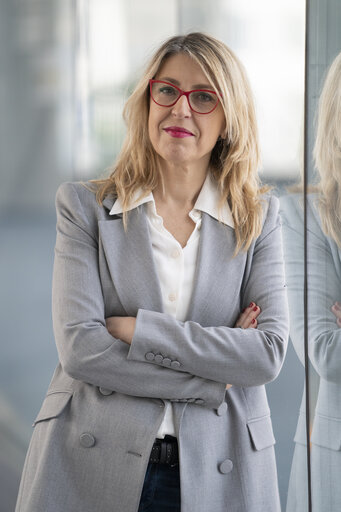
x=324, y=313
x=150, y=276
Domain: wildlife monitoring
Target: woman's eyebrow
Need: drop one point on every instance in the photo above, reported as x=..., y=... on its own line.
x=176, y=82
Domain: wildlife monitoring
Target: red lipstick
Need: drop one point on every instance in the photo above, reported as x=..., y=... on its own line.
x=178, y=131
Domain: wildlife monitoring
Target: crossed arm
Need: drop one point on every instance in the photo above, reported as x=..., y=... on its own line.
x=123, y=327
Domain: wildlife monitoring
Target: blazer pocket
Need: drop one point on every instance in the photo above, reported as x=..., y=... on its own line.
x=53, y=405
x=326, y=432
x=261, y=433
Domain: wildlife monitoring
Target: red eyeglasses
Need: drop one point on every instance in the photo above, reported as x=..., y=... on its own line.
x=201, y=101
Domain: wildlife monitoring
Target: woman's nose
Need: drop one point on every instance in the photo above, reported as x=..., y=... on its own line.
x=181, y=107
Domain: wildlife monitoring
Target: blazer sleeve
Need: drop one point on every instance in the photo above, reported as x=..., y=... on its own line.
x=324, y=288
x=86, y=349
x=241, y=357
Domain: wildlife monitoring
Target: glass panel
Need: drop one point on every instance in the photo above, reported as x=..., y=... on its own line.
x=321, y=406
x=323, y=253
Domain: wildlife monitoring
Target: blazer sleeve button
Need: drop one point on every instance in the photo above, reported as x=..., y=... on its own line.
x=150, y=356
x=87, y=440
x=226, y=466
x=175, y=365
x=158, y=359
x=199, y=401
x=166, y=361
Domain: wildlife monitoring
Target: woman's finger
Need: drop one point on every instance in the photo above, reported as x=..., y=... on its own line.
x=244, y=314
x=252, y=315
x=248, y=317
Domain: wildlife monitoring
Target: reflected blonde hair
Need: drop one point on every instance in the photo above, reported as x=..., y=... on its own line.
x=327, y=152
x=234, y=160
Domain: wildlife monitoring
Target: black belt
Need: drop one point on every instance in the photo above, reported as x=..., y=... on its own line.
x=165, y=451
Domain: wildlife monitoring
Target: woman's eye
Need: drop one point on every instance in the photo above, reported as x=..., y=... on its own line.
x=205, y=97
x=167, y=90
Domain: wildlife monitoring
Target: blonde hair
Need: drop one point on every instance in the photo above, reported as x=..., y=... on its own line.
x=234, y=160
x=327, y=152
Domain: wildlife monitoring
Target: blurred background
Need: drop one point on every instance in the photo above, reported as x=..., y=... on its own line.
x=66, y=69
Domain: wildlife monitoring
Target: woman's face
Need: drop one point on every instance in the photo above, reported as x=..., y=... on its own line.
x=205, y=129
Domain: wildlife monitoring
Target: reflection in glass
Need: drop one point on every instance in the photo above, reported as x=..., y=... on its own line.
x=324, y=308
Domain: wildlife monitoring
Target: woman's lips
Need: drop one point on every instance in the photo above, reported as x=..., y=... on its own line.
x=177, y=131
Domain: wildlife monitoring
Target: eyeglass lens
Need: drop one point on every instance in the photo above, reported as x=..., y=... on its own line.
x=200, y=101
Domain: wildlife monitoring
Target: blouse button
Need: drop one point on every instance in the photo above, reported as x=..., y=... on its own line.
x=196, y=215
x=175, y=253
x=172, y=297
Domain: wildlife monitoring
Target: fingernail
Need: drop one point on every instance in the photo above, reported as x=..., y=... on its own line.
x=253, y=321
x=251, y=304
x=255, y=308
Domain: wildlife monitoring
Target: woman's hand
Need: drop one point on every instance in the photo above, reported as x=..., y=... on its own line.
x=121, y=327
x=248, y=319
x=336, y=309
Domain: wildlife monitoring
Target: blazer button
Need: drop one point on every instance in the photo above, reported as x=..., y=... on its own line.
x=87, y=440
x=158, y=359
x=105, y=392
x=226, y=466
x=199, y=401
x=222, y=409
x=166, y=361
x=175, y=365
x=150, y=356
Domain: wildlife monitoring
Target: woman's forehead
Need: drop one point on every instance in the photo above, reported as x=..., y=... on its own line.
x=181, y=68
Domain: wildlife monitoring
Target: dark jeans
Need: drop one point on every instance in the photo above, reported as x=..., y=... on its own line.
x=161, y=489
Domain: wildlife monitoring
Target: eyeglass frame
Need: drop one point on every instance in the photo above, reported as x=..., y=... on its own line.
x=182, y=93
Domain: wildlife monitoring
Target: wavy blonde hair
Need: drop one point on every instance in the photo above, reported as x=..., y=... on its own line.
x=234, y=160
x=327, y=152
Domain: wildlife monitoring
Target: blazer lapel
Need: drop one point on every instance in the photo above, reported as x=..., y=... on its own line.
x=217, y=274
x=131, y=264
x=130, y=260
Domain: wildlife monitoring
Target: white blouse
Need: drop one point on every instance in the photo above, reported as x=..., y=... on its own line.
x=175, y=265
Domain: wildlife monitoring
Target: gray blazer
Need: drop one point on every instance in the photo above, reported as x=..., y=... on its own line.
x=93, y=435
x=324, y=338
